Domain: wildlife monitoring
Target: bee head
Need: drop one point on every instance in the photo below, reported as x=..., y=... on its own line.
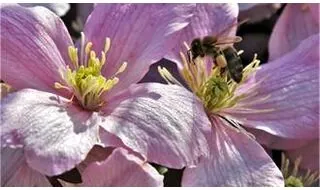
x=196, y=48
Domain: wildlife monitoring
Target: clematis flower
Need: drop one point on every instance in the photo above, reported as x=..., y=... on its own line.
x=279, y=98
x=68, y=96
x=235, y=158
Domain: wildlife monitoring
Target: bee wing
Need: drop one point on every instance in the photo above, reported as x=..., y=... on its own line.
x=228, y=40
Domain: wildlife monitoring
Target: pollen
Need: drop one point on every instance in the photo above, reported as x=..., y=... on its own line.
x=209, y=81
x=84, y=78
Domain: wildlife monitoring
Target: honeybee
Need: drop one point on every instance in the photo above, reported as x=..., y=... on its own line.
x=224, y=56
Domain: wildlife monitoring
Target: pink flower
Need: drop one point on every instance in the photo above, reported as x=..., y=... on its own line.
x=68, y=99
x=279, y=98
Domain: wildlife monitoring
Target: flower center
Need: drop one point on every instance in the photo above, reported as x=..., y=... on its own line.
x=209, y=81
x=85, y=80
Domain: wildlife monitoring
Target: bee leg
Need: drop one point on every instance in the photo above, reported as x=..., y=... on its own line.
x=223, y=72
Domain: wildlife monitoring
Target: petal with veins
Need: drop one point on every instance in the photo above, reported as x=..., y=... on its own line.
x=235, y=160
x=55, y=135
x=285, y=99
x=138, y=33
x=16, y=172
x=296, y=23
x=207, y=19
x=162, y=122
x=34, y=46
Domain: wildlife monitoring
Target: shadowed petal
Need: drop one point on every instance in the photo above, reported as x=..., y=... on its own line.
x=296, y=23
x=138, y=33
x=34, y=45
x=55, y=135
x=96, y=154
x=235, y=160
x=309, y=155
x=285, y=100
x=16, y=172
x=121, y=169
x=161, y=122
x=276, y=142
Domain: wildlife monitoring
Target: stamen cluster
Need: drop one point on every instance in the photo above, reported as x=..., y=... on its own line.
x=85, y=80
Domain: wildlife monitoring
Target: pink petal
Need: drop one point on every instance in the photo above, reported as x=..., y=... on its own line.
x=235, y=160
x=55, y=134
x=297, y=22
x=138, y=34
x=16, y=172
x=207, y=19
x=97, y=153
x=285, y=101
x=121, y=169
x=276, y=142
x=164, y=123
x=83, y=11
x=309, y=155
x=34, y=45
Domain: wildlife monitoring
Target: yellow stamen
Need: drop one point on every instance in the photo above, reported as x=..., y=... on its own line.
x=293, y=178
x=85, y=81
x=88, y=47
x=73, y=54
x=122, y=68
x=107, y=45
x=214, y=88
x=166, y=75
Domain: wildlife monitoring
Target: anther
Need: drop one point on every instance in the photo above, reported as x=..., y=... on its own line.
x=122, y=68
x=107, y=45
